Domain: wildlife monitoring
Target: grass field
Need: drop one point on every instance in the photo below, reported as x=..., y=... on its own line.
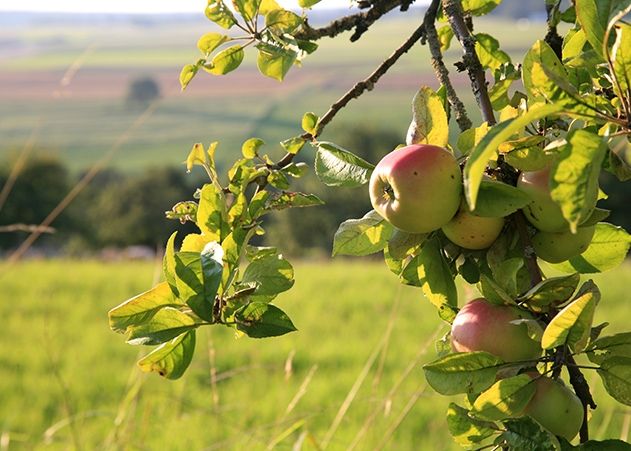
x=67, y=382
x=82, y=118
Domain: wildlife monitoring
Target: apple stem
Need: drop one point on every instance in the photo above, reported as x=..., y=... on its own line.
x=439, y=66
x=530, y=257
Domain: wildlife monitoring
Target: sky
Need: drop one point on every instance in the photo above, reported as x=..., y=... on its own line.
x=128, y=6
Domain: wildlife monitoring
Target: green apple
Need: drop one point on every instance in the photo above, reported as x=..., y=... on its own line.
x=556, y=408
x=482, y=326
x=472, y=232
x=544, y=213
x=417, y=188
x=558, y=247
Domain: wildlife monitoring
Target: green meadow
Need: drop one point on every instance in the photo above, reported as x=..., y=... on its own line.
x=350, y=377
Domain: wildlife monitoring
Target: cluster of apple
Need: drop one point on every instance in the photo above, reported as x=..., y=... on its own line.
x=499, y=330
x=418, y=189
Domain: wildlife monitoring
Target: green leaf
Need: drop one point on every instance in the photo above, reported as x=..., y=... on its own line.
x=506, y=398
x=525, y=434
x=211, y=213
x=335, y=166
x=218, y=12
x=286, y=199
x=618, y=345
x=619, y=159
x=293, y=145
x=278, y=180
x=225, y=61
x=445, y=35
x=210, y=41
x=401, y=244
x=165, y=325
x=593, y=16
x=598, y=215
x=574, y=176
x=493, y=292
x=275, y=62
x=363, y=236
x=197, y=156
x=572, y=325
x=308, y=3
x=187, y=73
x=282, y=21
x=430, y=271
x=168, y=263
x=250, y=148
x=211, y=259
x=466, y=430
x=608, y=249
x=296, y=170
x=310, y=122
x=190, y=283
x=462, y=372
x=272, y=274
x=183, y=211
x=479, y=7
x=260, y=320
x=540, y=72
x=615, y=373
x=488, y=50
x=268, y=5
x=550, y=292
x=141, y=308
x=498, y=200
x=498, y=94
x=471, y=137
x=247, y=8
x=487, y=148
x=429, y=120
x=621, y=55
x=525, y=154
x=171, y=359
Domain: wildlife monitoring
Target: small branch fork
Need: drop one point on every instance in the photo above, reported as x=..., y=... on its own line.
x=453, y=11
x=360, y=21
x=440, y=69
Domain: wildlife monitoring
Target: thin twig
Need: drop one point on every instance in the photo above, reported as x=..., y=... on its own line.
x=360, y=22
x=453, y=11
x=25, y=228
x=356, y=91
x=581, y=388
x=369, y=83
x=439, y=66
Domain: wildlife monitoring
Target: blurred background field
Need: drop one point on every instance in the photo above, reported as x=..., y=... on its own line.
x=67, y=382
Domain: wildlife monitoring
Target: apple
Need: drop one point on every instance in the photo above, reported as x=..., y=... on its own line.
x=417, y=188
x=472, y=232
x=542, y=212
x=558, y=247
x=556, y=408
x=482, y=326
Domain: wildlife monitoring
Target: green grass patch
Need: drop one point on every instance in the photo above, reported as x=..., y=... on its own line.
x=65, y=379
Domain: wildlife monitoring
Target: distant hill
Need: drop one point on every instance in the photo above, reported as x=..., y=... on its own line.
x=508, y=9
